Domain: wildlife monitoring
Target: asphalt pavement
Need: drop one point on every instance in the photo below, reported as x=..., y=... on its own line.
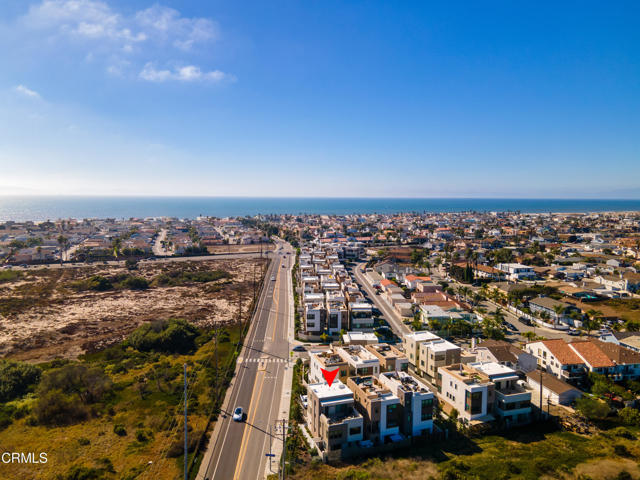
x=238, y=450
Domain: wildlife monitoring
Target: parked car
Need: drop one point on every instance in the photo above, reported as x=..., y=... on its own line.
x=304, y=400
x=299, y=348
x=273, y=279
x=238, y=414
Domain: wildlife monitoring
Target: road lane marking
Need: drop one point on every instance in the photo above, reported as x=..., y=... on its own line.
x=246, y=434
x=253, y=330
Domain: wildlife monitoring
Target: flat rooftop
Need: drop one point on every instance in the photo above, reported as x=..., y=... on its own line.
x=493, y=369
x=333, y=392
x=421, y=336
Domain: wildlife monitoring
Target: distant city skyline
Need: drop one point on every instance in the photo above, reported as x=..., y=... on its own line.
x=290, y=99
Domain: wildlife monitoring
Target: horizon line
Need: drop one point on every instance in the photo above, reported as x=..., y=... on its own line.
x=84, y=195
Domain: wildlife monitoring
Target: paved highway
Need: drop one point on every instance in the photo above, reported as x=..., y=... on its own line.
x=237, y=450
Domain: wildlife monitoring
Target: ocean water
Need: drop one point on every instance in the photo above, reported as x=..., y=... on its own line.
x=37, y=208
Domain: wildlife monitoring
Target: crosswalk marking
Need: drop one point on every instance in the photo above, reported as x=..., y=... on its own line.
x=267, y=360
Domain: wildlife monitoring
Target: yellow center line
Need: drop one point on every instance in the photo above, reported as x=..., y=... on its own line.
x=248, y=428
x=254, y=405
x=275, y=303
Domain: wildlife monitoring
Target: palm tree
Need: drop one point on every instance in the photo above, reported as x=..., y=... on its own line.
x=116, y=244
x=62, y=241
x=517, y=303
x=559, y=309
x=594, y=320
x=484, y=290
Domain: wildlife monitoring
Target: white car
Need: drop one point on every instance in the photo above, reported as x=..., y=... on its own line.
x=238, y=414
x=273, y=279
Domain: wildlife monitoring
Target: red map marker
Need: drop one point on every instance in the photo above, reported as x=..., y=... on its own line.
x=329, y=376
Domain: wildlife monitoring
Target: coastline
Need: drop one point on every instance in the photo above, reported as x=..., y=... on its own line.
x=41, y=208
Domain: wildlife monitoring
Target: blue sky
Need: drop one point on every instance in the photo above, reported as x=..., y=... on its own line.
x=331, y=98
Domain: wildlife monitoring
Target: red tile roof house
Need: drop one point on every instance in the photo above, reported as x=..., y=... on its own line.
x=608, y=359
x=412, y=281
x=386, y=284
x=570, y=360
x=556, y=357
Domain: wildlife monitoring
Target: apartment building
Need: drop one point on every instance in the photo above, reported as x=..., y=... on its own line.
x=505, y=353
x=359, y=360
x=390, y=358
x=327, y=360
x=336, y=312
x=516, y=271
x=556, y=357
x=379, y=407
x=614, y=361
x=352, y=360
x=435, y=354
x=359, y=338
x=549, y=305
x=361, y=316
x=332, y=419
x=416, y=399
x=467, y=391
x=315, y=313
x=411, y=344
x=512, y=402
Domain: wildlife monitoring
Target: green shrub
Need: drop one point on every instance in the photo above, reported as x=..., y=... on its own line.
x=119, y=430
x=10, y=275
x=135, y=283
x=621, y=450
x=96, y=283
x=144, y=436
x=16, y=379
x=90, y=384
x=80, y=472
x=592, y=408
x=630, y=416
x=56, y=408
x=171, y=336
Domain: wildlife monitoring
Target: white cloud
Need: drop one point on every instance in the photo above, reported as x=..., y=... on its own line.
x=21, y=89
x=123, y=41
x=183, y=32
x=188, y=73
x=95, y=19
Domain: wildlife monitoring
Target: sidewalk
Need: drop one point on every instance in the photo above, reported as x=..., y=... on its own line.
x=285, y=399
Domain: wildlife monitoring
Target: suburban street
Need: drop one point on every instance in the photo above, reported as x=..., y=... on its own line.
x=396, y=323
x=394, y=320
x=238, y=450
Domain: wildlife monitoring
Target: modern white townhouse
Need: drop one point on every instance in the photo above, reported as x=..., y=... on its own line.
x=417, y=402
x=516, y=271
x=468, y=392
x=512, y=402
x=332, y=419
x=380, y=408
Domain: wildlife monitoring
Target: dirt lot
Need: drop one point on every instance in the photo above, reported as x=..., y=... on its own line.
x=241, y=248
x=44, y=315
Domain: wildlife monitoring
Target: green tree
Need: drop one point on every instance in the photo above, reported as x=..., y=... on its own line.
x=592, y=408
x=16, y=379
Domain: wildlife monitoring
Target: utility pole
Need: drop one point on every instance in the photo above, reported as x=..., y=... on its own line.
x=541, y=407
x=186, y=452
x=215, y=356
x=284, y=450
x=270, y=454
